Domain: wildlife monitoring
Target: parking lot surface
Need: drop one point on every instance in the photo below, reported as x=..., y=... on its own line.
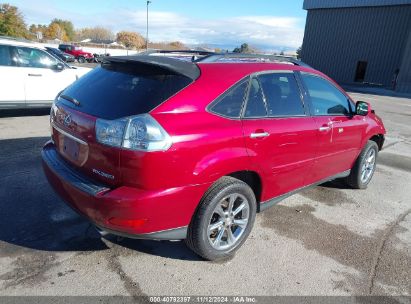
x=328, y=240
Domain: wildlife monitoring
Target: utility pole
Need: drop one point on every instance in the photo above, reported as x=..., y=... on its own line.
x=148, y=2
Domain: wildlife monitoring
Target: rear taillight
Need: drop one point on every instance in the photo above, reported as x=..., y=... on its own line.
x=110, y=132
x=140, y=133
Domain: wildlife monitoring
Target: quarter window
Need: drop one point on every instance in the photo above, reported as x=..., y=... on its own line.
x=231, y=102
x=282, y=94
x=325, y=98
x=34, y=58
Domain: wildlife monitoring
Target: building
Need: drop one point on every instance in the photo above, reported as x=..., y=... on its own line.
x=360, y=41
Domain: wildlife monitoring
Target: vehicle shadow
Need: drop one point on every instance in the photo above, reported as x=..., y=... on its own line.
x=336, y=184
x=173, y=250
x=34, y=217
x=24, y=112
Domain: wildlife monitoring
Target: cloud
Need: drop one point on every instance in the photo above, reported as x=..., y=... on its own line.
x=266, y=32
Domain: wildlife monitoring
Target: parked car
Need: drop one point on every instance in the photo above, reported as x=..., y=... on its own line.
x=100, y=57
x=77, y=52
x=30, y=76
x=63, y=56
x=157, y=148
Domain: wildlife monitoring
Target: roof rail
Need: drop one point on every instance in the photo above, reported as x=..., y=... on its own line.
x=239, y=57
x=188, y=52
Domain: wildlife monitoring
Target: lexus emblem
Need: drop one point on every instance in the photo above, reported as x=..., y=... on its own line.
x=67, y=120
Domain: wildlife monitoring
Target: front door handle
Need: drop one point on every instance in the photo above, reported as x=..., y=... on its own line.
x=35, y=75
x=259, y=135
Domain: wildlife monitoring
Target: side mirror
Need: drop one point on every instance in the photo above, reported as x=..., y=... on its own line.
x=362, y=108
x=58, y=66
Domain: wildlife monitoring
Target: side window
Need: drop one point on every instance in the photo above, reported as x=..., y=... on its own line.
x=34, y=58
x=230, y=103
x=255, y=103
x=325, y=98
x=282, y=94
x=5, y=56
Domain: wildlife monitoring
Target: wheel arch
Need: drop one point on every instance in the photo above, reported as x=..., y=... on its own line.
x=253, y=180
x=379, y=140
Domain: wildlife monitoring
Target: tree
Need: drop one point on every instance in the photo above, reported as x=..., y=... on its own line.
x=97, y=33
x=67, y=26
x=244, y=48
x=299, y=52
x=131, y=39
x=177, y=45
x=55, y=31
x=34, y=29
x=12, y=22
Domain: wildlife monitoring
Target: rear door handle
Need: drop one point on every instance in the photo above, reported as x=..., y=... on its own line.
x=259, y=135
x=324, y=129
x=35, y=75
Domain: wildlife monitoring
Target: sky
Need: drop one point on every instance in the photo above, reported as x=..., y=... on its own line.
x=265, y=24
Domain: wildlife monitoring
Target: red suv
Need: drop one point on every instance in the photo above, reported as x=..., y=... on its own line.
x=158, y=148
x=77, y=52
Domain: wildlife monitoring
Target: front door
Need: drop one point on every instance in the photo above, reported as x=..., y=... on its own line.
x=279, y=135
x=339, y=130
x=42, y=82
x=11, y=80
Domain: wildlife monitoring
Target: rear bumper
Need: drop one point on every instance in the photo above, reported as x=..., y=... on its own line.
x=131, y=212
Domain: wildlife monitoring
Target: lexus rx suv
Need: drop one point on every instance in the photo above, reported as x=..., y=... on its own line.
x=157, y=148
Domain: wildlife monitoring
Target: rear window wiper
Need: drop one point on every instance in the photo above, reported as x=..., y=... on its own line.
x=71, y=99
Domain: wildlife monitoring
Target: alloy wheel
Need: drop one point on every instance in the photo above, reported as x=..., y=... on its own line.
x=228, y=221
x=368, y=166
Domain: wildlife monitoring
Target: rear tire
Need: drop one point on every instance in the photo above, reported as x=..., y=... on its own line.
x=223, y=220
x=364, y=167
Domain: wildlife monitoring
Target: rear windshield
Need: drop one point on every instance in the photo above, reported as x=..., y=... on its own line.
x=118, y=90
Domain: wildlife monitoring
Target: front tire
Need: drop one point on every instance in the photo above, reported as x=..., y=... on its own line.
x=364, y=167
x=81, y=60
x=223, y=220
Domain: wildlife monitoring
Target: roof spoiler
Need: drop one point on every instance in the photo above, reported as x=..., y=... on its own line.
x=171, y=65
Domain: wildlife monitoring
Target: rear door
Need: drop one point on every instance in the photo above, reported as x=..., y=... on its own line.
x=11, y=80
x=279, y=134
x=339, y=131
